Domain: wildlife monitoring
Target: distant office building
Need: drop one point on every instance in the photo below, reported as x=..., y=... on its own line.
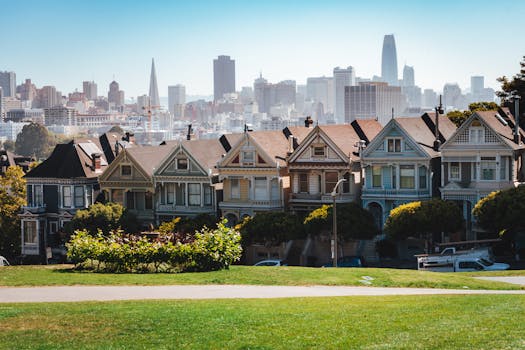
x=321, y=90
x=342, y=77
x=477, y=84
x=153, y=87
x=8, y=83
x=60, y=116
x=389, y=61
x=478, y=91
x=223, y=76
x=246, y=95
x=409, y=88
x=9, y=103
x=453, y=98
x=408, y=76
x=430, y=99
x=114, y=95
x=89, y=88
x=268, y=95
x=373, y=100
x=48, y=96
x=1, y=104
x=27, y=91
x=176, y=99
x=10, y=130
x=142, y=103
x=19, y=115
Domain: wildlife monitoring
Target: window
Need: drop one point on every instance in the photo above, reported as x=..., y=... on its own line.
x=170, y=193
x=346, y=184
x=330, y=180
x=503, y=168
x=261, y=189
x=422, y=177
x=117, y=196
x=488, y=168
x=30, y=232
x=182, y=164
x=454, y=171
x=376, y=176
x=148, y=200
x=89, y=195
x=180, y=194
x=303, y=183
x=318, y=151
x=235, y=189
x=248, y=158
x=194, y=194
x=130, y=200
x=79, y=196
x=393, y=145
x=66, y=197
x=394, y=177
x=274, y=189
x=476, y=135
x=407, y=176
x=207, y=194
x=125, y=170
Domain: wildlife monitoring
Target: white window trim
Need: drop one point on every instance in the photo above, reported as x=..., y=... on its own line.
x=401, y=144
x=450, y=172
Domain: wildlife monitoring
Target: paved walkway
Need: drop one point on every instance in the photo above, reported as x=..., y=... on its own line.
x=105, y=293
x=509, y=279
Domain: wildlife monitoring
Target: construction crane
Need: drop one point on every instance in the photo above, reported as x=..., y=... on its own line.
x=148, y=109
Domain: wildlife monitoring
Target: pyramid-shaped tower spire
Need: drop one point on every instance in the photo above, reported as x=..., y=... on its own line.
x=153, y=88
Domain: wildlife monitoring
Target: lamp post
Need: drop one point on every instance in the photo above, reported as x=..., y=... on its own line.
x=334, y=223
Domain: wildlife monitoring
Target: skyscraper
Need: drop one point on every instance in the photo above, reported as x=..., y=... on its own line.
x=153, y=88
x=223, y=76
x=8, y=83
x=477, y=84
x=408, y=76
x=176, y=99
x=90, y=90
x=342, y=77
x=115, y=95
x=389, y=61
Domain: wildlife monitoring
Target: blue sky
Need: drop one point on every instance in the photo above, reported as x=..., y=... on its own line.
x=62, y=43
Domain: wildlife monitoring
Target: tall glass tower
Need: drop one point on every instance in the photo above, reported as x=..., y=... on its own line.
x=153, y=88
x=389, y=61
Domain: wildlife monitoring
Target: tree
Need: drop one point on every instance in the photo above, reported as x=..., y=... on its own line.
x=458, y=117
x=517, y=83
x=105, y=217
x=353, y=221
x=12, y=197
x=501, y=212
x=8, y=145
x=116, y=129
x=271, y=228
x=34, y=140
x=426, y=219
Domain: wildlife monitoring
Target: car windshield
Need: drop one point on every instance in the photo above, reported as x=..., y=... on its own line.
x=486, y=262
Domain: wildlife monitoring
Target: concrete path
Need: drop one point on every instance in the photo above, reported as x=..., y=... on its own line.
x=105, y=293
x=509, y=279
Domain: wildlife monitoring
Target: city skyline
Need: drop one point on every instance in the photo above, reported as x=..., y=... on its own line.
x=184, y=44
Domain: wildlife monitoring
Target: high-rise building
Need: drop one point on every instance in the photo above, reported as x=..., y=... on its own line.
x=321, y=90
x=8, y=83
x=429, y=98
x=408, y=76
x=373, y=100
x=452, y=97
x=153, y=88
x=114, y=95
x=477, y=84
x=176, y=99
x=268, y=95
x=60, y=115
x=48, y=97
x=223, y=76
x=27, y=90
x=342, y=77
x=389, y=61
x=89, y=88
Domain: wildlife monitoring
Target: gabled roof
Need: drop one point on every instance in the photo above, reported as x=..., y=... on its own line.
x=70, y=160
x=149, y=158
x=423, y=133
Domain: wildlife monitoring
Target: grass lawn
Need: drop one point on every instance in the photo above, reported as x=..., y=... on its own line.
x=401, y=322
x=64, y=275
x=497, y=273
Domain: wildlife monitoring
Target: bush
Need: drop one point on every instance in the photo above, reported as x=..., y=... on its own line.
x=207, y=250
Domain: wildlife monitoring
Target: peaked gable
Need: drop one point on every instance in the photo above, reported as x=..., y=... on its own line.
x=319, y=147
x=247, y=153
x=125, y=168
x=180, y=162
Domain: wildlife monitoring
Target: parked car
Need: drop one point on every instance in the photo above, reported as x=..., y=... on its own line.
x=3, y=261
x=348, y=261
x=271, y=262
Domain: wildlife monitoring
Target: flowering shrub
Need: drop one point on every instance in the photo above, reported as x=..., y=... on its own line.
x=207, y=250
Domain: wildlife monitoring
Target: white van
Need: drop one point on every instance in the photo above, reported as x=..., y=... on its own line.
x=3, y=261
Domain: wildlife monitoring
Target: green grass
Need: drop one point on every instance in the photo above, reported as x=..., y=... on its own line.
x=401, y=322
x=497, y=273
x=64, y=275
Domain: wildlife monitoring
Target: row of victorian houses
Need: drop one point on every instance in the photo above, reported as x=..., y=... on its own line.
x=296, y=169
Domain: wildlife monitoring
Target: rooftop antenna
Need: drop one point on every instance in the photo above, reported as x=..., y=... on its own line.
x=439, y=110
x=392, y=112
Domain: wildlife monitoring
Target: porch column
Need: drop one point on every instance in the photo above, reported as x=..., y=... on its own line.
x=202, y=195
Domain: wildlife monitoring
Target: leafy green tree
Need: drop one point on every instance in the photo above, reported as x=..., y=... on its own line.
x=104, y=217
x=516, y=83
x=458, y=117
x=117, y=129
x=353, y=221
x=501, y=212
x=426, y=219
x=271, y=228
x=8, y=145
x=34, y=140
x=12, y=197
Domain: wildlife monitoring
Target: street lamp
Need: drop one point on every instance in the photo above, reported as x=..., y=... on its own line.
x=334, y=224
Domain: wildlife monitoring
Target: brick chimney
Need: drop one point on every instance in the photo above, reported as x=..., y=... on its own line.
x=95, y=158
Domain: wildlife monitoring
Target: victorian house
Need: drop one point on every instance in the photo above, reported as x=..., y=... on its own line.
x=254, y=172
x=329, y=153
x=484, y=155
x=64, y=183
x=402, y=163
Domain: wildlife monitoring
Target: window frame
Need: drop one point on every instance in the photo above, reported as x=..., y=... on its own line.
x=194, y=194
x=304, y=183
x=394, y=145
x=125, y=174
x=450, y=172
x=377, y=178
x=235, y=188
x=67, y=200
x=403, y=178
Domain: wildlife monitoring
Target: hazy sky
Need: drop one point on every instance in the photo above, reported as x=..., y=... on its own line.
x=62, y=43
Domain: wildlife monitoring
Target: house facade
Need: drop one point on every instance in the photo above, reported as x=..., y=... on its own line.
x=64, y=183
x=402, y=164
x=326, y=155
x=484, y=155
